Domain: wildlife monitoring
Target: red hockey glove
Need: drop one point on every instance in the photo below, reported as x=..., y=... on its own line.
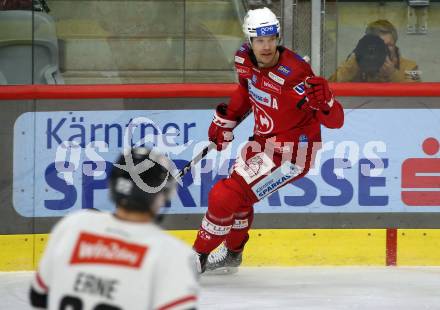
x=220, y=131
x=318, y=93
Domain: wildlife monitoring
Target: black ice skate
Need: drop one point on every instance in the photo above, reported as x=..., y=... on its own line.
x=223, y=261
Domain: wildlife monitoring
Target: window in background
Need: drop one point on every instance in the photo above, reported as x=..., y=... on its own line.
x=121, y=42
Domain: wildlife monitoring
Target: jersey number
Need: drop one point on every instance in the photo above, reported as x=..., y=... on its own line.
x=74, y=303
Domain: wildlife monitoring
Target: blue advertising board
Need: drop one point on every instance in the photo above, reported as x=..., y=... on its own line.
x=382, y=160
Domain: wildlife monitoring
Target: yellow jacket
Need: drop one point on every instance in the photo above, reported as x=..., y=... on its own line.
x=349, y=72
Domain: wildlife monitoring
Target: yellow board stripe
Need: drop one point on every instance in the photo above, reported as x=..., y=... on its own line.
x=418, y=247
x=17, y=252
x=310, y=247
x=278, y=247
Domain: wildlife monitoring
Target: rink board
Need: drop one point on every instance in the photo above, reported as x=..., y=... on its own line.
x=320, y=220
x=357, y=170
x=280, y=247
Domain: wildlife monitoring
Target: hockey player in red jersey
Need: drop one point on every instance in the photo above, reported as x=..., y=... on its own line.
x=289, y=104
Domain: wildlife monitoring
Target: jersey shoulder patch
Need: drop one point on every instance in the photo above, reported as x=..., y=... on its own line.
x=242, y=61
x=293, y=68
x=242, y=56
x=244, y=48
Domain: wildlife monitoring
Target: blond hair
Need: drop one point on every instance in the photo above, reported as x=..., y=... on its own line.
x=382, y=26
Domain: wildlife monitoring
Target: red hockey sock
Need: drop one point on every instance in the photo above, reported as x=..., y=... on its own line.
x=237, y=238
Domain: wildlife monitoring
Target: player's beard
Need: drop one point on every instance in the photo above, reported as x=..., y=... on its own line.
x=272, y=62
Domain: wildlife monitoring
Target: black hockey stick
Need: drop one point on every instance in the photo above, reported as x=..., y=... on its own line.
x=300, y=103
x=195, y=160
x=204, y=152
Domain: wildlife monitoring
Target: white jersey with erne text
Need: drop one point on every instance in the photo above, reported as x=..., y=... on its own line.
x=94, y=260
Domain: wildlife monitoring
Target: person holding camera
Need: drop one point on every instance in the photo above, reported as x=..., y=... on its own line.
x=376, y=58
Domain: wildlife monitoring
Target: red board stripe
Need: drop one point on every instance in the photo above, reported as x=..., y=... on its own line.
x=23, y=92
x=391, y=248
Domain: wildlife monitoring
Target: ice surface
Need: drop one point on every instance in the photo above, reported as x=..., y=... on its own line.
x=399, y=288
x=14, y=288
x=325, y=288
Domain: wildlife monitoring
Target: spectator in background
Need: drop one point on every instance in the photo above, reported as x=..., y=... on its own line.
x=376, y=58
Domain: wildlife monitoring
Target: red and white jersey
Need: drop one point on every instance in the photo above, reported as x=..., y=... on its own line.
x=274, y=93
x=94, y=260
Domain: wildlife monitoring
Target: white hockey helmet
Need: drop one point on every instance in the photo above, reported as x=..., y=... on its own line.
x=260, y=23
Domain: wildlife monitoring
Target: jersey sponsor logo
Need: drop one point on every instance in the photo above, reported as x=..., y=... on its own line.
x=268, y=85
x=284, y=70
x=259, y=96
x=276, y=78
x=240, y=224
x=283, y=174
x=254, y=167
x=243, y=71
x=266, y=30
x=263, y=122
x=299, y=89
x=96, y=249
x=239, y=59
x=215, y=229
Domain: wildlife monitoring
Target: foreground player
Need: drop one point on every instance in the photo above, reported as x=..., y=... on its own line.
x=98, y=260
x=289, y=105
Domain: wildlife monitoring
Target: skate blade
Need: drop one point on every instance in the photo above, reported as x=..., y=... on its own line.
x=222, y=271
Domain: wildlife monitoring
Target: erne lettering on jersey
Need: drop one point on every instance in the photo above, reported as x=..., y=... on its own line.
x=94, y=285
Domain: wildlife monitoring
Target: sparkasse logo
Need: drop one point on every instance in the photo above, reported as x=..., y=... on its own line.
x=420, y=177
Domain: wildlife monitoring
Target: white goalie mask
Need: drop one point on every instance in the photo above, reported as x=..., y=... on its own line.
x=260, y=23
